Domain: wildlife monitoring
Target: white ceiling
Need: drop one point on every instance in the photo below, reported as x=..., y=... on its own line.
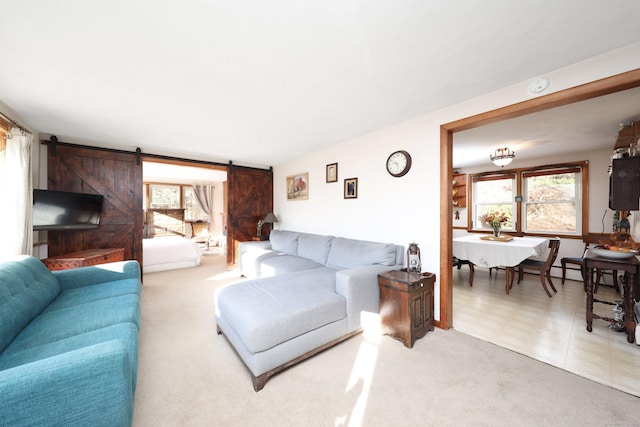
x=261, y=82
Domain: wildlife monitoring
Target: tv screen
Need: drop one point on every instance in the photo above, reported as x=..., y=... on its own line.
x=62, y=210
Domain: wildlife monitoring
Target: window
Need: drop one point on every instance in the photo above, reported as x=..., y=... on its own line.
x=551, y=199
x=551, y=202
x=164, y=196
x=192, y=209
x=493, y=194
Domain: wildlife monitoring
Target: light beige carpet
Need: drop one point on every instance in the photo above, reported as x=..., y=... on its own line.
x=190, y=376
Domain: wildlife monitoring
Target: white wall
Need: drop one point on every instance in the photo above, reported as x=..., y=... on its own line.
x=401, y=210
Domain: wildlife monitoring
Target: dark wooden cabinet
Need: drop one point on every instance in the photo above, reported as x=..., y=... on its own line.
x=84, y=258
x=624, y=184
x=406, y=304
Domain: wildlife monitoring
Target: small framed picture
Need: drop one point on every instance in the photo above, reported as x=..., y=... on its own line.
x=332, y=172
x=351, y=188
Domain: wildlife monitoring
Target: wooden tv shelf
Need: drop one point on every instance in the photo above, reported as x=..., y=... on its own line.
x=84, y=258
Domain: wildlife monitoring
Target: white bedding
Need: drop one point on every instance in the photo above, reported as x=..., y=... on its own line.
x=169, y=253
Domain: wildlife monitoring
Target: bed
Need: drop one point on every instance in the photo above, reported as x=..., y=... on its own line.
x=169, y=253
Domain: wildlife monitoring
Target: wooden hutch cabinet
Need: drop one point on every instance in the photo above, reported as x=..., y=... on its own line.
x=406, y=304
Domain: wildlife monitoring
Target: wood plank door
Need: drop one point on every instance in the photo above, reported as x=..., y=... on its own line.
x=115, y=175
x=249, y=198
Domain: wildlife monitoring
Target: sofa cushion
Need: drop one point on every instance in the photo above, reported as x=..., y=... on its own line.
x=286, y=264
x=272, y=310
x=284, y=241
x=314, y=247
x=87, y=294
x=126, y=332
x=27, y=287
x=59, y=324
x=348, y=253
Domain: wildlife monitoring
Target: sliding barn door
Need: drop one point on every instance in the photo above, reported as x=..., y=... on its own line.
x=249, y=198
x=115, y=175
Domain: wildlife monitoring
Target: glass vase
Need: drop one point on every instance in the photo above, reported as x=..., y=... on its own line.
x=496, y=230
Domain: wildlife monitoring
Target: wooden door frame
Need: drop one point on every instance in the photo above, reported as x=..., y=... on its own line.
x=616, y=83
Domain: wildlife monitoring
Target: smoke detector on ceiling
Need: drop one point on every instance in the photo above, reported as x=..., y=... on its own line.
x=539, y=85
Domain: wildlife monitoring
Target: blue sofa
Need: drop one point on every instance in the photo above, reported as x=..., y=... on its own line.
x=306, y=293
x=68, y=343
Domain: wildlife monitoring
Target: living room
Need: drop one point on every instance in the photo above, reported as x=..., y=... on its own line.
x=386, y=209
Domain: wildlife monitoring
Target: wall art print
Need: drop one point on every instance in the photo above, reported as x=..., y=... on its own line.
x=298, y=186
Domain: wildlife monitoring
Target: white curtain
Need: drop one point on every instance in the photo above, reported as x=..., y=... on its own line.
x=204, y=199
x=16, y=190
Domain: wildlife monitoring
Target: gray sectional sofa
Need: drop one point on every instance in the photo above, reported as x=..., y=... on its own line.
x=305, y=293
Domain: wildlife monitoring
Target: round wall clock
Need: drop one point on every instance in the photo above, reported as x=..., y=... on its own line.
x=399, y=163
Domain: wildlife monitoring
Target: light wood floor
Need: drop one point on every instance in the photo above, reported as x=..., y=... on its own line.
x=552, y=330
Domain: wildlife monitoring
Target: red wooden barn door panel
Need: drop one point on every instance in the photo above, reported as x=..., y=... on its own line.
x=249, y=198
x=115, y=175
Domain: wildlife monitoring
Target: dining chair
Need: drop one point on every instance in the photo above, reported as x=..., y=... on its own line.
x=460, y=262
x=589, y=241
x=543, y=267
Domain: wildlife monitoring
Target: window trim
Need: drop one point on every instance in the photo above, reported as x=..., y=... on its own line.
x=491, y=177
x=549, y=172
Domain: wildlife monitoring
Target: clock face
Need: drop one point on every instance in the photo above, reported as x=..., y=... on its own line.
x=399, y=163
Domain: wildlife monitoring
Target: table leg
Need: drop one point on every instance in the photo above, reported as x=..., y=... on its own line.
x=589, y=288
x=508, y=279
x=630, y=324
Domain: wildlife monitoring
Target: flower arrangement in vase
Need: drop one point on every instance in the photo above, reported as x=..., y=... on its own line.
x=495, y=221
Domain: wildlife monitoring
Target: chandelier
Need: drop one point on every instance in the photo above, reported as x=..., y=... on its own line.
x=502, y=157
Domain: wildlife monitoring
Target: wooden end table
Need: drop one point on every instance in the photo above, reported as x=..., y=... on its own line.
x=406, y=304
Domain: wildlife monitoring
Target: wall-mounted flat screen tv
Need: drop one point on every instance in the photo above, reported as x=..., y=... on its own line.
x=62, y=210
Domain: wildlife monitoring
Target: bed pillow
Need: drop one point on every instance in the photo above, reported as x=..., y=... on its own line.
x=284, y=241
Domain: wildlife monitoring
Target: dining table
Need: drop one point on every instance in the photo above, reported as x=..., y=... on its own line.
x=505, y=251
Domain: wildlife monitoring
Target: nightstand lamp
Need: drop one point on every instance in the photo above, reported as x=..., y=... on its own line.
x=269, y=219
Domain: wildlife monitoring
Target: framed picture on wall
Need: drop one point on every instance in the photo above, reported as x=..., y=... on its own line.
x=298, y=186
x=332, y=172
x=351, y=188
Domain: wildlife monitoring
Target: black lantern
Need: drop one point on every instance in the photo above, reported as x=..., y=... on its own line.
x=413, y=258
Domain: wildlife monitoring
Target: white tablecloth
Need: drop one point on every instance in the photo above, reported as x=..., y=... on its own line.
x=498, y=254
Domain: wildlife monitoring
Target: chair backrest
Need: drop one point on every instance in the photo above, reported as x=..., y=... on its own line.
x=591, y=240
x=199, y=229
x=554, y=247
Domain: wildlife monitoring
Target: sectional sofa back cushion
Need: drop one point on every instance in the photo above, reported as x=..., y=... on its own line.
x=314, y=247
x=284, y=241
x=27, y=287
x=347, y=253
